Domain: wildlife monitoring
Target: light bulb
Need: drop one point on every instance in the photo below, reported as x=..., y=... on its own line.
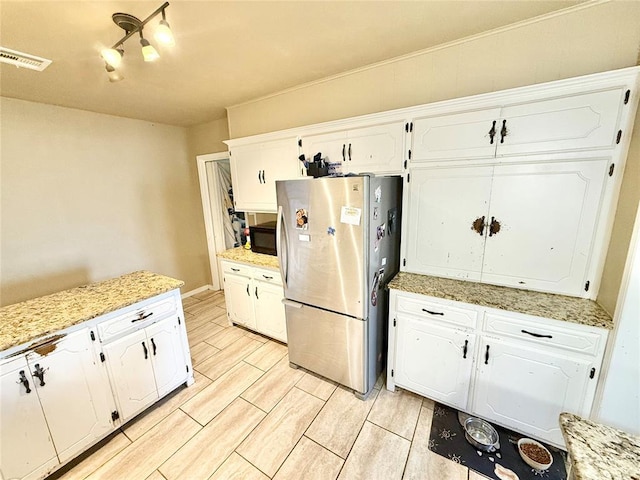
x=148, y=52
x=113, y=74
x=163, y=34
x=112, y=56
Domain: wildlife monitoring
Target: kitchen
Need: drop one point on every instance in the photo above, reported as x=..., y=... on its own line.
x=75, y=249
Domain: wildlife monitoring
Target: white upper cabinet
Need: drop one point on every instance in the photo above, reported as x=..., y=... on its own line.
x=542, y=222
x=526, y=225
x=458, y=136
x=575, y=122
x=255, y=167
x=374, y=149
x=447, y=214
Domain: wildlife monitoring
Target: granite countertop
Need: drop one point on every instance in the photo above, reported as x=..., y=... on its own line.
x=241, y=254
x=547, y=305
x=26, y=321
x=599, y=452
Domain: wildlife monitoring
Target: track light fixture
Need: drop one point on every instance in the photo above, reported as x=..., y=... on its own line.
x=132, y=25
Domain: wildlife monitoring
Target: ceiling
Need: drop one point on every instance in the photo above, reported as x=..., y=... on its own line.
x=226, y=52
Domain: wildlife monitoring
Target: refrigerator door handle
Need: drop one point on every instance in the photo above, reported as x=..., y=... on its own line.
x=291, y=303
x=282, y=252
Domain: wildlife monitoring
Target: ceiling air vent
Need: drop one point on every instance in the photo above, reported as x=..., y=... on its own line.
x=25, y=60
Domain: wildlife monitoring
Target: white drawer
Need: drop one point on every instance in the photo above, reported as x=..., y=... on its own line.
x=267, y=276
x=571, y=336
x=237, y=269
x=132, y=318
x=464, y=317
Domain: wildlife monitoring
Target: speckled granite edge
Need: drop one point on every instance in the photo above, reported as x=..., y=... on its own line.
x=26, y=321
x=600, y=452
x=240, y=254
x=547, y=305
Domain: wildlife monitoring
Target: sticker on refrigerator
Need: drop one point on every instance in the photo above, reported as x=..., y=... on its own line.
x=301, y=219
x=376, y=213
x=350, y=215
x=378, y=194
x=381, y=231
x=331, y=231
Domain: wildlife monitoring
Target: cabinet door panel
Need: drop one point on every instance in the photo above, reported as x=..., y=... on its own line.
x=577, y=122
x=526, y=388
x=270, y=316
x=255, y=169
x=547, y=215
x=444, y=206
x=76, y=395
x=376, y=149
x=26, y=443
x=457, y=136
x=237, y=294
x=330, y=145
x=167, y=355
x=430, y=360
x=131, y=373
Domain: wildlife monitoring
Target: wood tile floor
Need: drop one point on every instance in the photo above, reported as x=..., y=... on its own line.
x=250, y=416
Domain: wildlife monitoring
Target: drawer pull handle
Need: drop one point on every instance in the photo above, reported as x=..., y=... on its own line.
x=146, y=352
x=154, y=346
x=23, y=380
x=537, y=335
x=141, y=316
x=235, y=269
x=39, y=372
x=430, y=312
x=267, y=277
x=464, y=349
x=486, y=356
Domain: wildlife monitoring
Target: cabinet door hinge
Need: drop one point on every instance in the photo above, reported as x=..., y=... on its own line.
x=611, y=167
x=592, y=373
x=392, y=372
x=115, y=415
x=404, y=262
x=586, y=286
x=626, y=96
x=618, y=137
x=102, y=359
x=93, y=336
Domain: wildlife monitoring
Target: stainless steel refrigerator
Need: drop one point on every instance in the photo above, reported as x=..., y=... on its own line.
x=338, y=243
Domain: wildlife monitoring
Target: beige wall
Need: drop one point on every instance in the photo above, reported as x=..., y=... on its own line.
x=583, y=40
x=86, y=197
x=208, y=137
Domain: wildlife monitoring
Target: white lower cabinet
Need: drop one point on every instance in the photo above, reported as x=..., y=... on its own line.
x=146, y=365
x=27, y=448
x=516, y=370
x=434, y=360
x=253, y=299
x=525, y=387
x=60, y=396
x=55, y=398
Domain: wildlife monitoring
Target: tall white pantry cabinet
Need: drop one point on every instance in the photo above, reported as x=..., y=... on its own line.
x=516, y=189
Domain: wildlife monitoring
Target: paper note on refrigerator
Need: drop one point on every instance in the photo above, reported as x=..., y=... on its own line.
x=350, y=215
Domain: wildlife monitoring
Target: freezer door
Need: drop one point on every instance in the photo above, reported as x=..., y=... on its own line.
x=322, y=250
x=329, y=344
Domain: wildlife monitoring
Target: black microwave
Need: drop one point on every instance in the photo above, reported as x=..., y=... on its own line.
x=263, y=238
